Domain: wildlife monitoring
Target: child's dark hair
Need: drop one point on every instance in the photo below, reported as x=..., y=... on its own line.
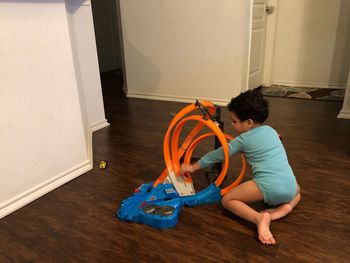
x=250, y=105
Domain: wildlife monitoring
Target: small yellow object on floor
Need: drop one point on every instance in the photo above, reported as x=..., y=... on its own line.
x=103, y=165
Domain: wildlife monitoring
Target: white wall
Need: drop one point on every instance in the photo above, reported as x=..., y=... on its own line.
x=312, y=45
x=82, y=34
x=186, y=49
x=44, y=141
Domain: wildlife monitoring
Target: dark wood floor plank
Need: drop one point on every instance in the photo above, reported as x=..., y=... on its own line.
x=77, y=223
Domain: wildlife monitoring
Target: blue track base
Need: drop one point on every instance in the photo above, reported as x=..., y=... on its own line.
x=160, y=206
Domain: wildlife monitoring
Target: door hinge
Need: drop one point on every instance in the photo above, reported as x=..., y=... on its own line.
x=270, y=9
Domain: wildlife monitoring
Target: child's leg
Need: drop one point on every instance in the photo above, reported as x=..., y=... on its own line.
x=236, y=202
x=284, y=209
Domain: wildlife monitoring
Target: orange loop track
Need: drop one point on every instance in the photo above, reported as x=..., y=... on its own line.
x=219, y=180
x=172, y=158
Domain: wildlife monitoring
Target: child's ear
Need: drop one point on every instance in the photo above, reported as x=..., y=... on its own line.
x=250, y=122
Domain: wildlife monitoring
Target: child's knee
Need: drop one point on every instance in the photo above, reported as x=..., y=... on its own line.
x=229, y=202
x=224, y=201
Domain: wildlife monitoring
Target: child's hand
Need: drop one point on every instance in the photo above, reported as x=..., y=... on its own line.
x=186, y=168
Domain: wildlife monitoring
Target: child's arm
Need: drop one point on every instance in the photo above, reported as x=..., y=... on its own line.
x=212, y=157
x=189, y=168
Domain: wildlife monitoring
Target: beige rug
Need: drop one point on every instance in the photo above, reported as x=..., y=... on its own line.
x=304, y=93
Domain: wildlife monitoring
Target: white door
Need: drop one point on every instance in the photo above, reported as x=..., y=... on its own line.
x=258, y=43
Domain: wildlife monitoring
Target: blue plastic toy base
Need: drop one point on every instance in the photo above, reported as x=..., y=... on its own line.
x=162, y=195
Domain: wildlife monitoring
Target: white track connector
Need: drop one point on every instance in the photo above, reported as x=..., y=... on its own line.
x=182, y=187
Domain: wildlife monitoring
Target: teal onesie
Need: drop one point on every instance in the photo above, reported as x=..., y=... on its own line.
x=265, y=153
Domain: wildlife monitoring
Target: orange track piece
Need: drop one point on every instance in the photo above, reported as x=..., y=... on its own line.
x=189, y=144
x=185, y=144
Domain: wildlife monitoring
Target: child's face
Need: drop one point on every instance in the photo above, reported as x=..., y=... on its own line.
x=240, y=126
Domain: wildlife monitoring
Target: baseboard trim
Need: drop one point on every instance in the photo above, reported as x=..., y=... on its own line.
x=40, y=190
x=311, y=85
x=99, y=126
x=125, y=90
x=174, y=98
x=344, y=115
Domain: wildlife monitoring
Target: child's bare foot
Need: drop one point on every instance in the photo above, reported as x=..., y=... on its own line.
x=279, y=212
x=263, y=225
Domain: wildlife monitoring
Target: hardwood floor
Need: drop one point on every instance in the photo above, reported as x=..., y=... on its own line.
x=77, y=223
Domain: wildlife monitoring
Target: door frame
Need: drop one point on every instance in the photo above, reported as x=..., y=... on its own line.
x=270, y=44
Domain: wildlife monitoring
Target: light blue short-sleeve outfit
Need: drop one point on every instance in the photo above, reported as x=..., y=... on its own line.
x=265, y=153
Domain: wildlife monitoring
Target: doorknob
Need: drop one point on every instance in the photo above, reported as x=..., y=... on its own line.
x=269, y=9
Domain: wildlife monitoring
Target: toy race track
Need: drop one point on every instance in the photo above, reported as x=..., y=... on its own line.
x=158, y=203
